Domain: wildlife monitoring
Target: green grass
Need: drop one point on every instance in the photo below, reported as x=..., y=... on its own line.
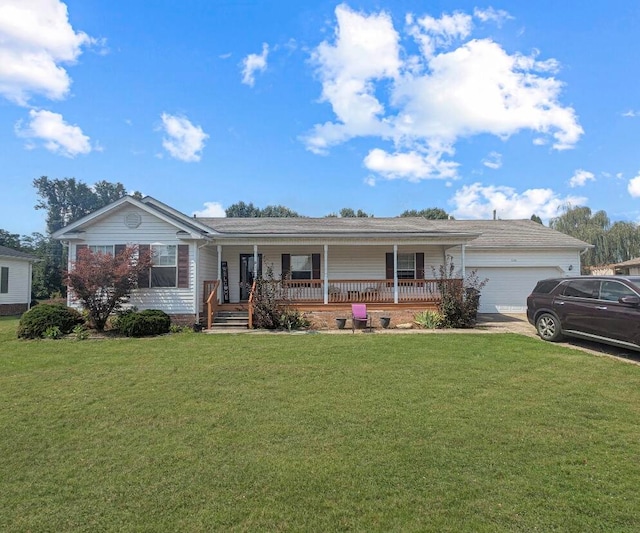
x=454, y=432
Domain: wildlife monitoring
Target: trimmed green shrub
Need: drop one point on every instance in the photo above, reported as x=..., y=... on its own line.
x=143, y=323
x=35, y=322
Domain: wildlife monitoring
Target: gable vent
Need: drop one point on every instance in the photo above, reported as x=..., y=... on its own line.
x=132, y=220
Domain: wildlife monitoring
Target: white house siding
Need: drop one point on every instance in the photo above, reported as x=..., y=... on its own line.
x=19, y=282
x=207, y=270
x=112, y=230
x=346, y=262
x=513, y=274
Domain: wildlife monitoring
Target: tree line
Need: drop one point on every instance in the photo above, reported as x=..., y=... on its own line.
x=66, y=200
x=243, y=210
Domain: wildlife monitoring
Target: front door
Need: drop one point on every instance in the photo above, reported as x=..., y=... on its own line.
x=246, y=274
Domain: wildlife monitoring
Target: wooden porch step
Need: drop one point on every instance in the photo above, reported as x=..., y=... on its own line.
x=231, y=319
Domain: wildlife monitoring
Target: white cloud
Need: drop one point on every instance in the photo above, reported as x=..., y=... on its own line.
x=432, y=33
x=254, y=63
x=426, y=103
x=370, y=181
x=634, y=187
x=366, y=49
x=58, y=136
x=631, y=113
x=183, y=140
x=412, y=166
x=211, y=209
x=35, y=40
x=499, y=16
x=493, y=160
x=580, y=178
x=478, y=202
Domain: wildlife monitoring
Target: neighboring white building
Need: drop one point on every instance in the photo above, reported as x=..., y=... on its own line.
x=16, y=270
x=330, y=262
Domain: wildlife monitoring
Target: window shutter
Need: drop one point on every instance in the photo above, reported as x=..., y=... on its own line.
x=118, y=249
x=420, y=265
x=80, y=247
x=143, y=278
x=315, y=266
x=389, y=266
x=286, y=266
x=183, y=266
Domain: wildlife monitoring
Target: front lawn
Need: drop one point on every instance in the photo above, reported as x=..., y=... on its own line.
x=313, y=432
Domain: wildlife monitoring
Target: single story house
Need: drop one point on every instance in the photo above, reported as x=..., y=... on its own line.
x=388, y=263
x=630, y=267
x=16, y=271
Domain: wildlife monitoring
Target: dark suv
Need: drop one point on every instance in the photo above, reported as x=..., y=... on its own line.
x=598, y=308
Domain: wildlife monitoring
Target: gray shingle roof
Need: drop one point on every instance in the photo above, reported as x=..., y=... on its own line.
x=15, y=254
x=492, y=233
x=629, y=263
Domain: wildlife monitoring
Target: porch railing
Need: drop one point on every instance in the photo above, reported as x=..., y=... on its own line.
x=211, y=299
x=252, y=296
x=344, y=291
x=362, y=290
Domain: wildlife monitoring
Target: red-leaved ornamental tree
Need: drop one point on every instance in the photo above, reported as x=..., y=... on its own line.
x=103, y=282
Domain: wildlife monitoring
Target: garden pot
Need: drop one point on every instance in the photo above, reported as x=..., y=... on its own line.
x=385, y=321
x=340, y=322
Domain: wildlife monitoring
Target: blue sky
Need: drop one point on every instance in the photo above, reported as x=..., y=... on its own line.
x=519, y=107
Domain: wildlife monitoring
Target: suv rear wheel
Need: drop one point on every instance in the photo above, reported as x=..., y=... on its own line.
x=548, y=327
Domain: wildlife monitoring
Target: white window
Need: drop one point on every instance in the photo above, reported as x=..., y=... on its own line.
x=301, y=267
x=406, y=266
x=164, y=272
x=106, y=249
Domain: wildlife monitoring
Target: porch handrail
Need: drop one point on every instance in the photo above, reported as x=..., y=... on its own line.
x=250, y=306
x=212, y=302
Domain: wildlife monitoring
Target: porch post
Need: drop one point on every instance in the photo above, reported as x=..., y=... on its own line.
x=326, y=275
x=219, y=253
x=462, y=260
x=255, y=261
x=395, y=273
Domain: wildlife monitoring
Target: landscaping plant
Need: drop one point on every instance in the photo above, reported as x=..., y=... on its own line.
x=460, y=298
x=271, y=309
x=41, y=320
x=143, y=323
x=428, y=319
x=103, y=282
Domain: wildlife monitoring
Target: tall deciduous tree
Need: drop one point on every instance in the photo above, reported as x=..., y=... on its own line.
x=612, y=243
x=432, y=213
x=103, y=282
x=66, y=200
x=10, y=240
x=347, y=212
x=243, y=210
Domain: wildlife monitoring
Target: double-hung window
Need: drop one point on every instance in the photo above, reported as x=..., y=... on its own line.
x=406, y=266
x=301, y=267
x=164, y=271
x=4, y=280
x=106, y=249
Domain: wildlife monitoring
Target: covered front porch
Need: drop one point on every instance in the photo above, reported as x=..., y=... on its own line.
x=328, y=275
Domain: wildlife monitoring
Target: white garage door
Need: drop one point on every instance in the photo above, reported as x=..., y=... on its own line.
x=508, y=287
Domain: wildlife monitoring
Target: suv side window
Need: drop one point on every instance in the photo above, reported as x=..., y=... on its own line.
x=546, y=286
x=582, y=288
x=612, y=290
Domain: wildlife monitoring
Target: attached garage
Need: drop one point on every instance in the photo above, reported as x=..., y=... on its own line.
x=514, y=255
x=508, y=287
